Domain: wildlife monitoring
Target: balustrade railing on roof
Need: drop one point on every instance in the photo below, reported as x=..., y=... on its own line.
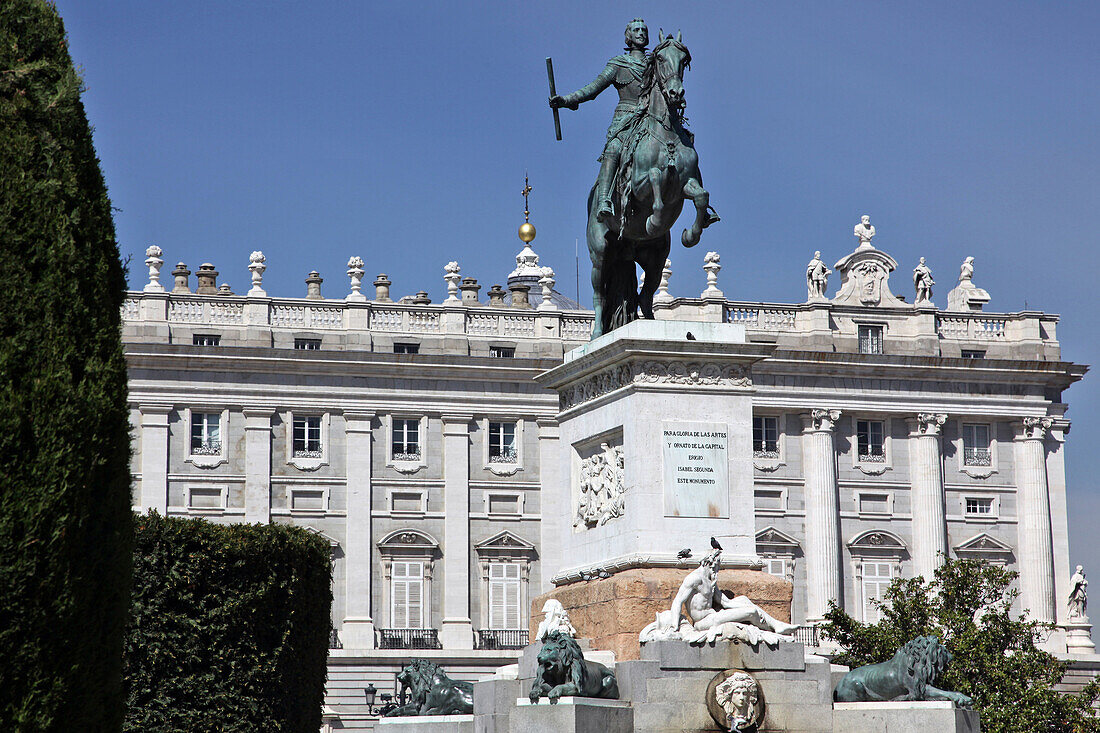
x=761, y=318
x=972, y=327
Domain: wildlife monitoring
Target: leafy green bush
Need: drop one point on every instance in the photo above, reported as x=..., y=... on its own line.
x=229, y=628
x=996, y=661
x=65, y=527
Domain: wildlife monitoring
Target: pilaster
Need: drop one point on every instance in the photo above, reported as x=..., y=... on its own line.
x=257, y=464
x=154, y=457
x=926, y=470
x=457, y=630
x=822, y=513
x=553, y=515
x=358, y=628
x=1034, y=527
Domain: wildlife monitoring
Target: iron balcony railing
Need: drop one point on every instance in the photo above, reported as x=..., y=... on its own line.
x=502, y=638
x=408, y=639
x=334, y=640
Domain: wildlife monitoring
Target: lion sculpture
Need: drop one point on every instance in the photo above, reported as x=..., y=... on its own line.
x=564, y=672
x=908, y=676
x=432, y=692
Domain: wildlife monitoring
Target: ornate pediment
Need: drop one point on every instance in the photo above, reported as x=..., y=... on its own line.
x=504, y=541
x=771, y=539
x=408, y=540
x=877, y=540
x=983, y=544
x=331, y=542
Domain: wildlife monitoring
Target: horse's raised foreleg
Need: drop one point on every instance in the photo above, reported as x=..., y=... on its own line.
x=652, y=261
x=694, y=190
x=653, y=223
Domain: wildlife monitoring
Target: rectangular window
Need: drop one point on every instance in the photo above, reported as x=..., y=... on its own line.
x=502, y=352
x=870, y=339
x=871, y=441
x=407, y=594
x=406, y=348
x=307, y=437
x=406, y=439
x=877, y=577
x=502, y=442
x=874, y=503
x=507, y=504
x=307, y=344
x=765, y=437
x=307, y=500
x=977, y=506
x=504, y=595
x=776, y=566
x=973, y=354
x=406, y=501
x=768, y=499
x=205, y=498
x=206, y=436
x=976, y=445
x=205, y=339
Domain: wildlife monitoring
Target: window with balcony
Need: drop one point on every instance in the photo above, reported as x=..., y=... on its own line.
x=502, y=352
x=976, y=451
x=205, y=339
x=206, y=435
x=973, y=354
x=307, y=437
x=307, y=344
x=870, y=339
x=407, y=594
x=871, y=441
x=502, y=442
x=405, y=442
x=406, y=348
x=765, y=437
x=504, y=595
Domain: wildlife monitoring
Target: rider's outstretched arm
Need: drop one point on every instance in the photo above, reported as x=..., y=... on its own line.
x=591, y=90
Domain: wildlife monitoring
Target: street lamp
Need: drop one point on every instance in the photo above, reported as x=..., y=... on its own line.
x=371, y=693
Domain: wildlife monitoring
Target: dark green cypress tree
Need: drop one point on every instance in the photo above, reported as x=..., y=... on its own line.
x=66, y=534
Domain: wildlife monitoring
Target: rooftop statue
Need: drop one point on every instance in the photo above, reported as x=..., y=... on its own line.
x=865, y=230
x=923, y=282
x=564, y=672
x=710, y=615
x=1078, y=596
x=432, y=692
x=648, y=168
x=907, y=676
x=817, y=278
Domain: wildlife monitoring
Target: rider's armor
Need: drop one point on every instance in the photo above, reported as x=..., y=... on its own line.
x=625, y=72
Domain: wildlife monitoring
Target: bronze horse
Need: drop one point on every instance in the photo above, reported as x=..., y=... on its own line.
x=659, y=170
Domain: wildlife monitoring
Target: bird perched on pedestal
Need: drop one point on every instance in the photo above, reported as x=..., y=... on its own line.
x=683, y=554
x=714, y=544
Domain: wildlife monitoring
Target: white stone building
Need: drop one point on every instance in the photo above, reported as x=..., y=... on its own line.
x=413, y=436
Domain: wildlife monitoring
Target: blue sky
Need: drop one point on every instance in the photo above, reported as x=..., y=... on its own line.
x=400, y=132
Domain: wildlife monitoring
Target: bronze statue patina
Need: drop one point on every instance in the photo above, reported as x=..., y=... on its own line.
x=908, y=676
x=648, y=167
x=432, y=692
x=564, y=672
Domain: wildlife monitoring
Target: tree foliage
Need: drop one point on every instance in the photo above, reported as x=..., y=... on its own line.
x=229, y=628
x=996, y=661
x=65, y=528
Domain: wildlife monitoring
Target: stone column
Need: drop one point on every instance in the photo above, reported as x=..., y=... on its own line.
x=926, y=467
x=154, y=457
x=257, y=465
x=1036, y=547
x=358, y=630
x=457, y=630
x=822, y=513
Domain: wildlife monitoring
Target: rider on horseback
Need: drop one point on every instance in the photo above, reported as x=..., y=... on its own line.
x=625, y=72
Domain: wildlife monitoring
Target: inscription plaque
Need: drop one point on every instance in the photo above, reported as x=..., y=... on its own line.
x=696, y=469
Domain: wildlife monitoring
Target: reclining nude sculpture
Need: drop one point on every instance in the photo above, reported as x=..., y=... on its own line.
x=710, y=615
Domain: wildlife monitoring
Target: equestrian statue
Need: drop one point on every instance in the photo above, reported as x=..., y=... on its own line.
x=648, y=168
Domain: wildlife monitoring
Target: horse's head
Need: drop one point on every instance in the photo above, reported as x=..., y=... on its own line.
x=670, y=58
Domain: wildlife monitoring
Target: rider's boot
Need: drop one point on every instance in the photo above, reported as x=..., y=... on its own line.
x=604, y=209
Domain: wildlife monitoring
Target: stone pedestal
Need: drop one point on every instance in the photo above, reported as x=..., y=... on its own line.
x=904, y=717
x=427, y=724
x=612, y=611
x=1079, y=636
x=676, y=399
x=572, y=715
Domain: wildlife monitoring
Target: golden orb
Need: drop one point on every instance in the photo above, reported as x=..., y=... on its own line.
x=526, y=232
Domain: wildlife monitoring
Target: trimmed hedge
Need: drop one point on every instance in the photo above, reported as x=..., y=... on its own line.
x=229, y=627
x=65, y=527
